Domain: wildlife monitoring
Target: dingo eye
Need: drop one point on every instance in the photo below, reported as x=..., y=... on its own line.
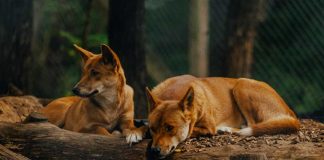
x=168, y=128
x=93, y=72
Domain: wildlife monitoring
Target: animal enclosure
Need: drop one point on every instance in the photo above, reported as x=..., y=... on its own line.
x=279, y=42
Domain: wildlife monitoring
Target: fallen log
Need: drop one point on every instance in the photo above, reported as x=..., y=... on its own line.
x=43, y=140
x=8, y=154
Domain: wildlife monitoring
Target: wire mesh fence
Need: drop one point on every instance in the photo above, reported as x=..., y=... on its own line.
x=289, y=53
x=288, y=47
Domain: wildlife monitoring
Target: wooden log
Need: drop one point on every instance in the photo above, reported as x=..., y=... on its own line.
x=42, y=140
x=46, y=141
x=7, y=154
x=248, y=156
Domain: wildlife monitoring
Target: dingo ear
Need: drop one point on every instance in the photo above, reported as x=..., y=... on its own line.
x=152, y=100
x=84, y=53
x=187, y=101
x=109, y=56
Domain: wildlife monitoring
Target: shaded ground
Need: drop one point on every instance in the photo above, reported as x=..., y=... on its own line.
x=307, y=143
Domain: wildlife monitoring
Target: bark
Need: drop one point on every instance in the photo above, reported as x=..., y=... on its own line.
x=242, y=22
x=15, y=43
x=198, y=37
x=8, y=154
x=45, y=141
x=125, y=34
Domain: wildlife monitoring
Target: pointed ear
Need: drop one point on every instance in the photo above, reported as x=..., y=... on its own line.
x=152, y=101
x=186, y=102
x=109, y=56
x=84, y=53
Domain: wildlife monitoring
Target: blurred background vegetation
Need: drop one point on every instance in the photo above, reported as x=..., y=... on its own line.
x=280, y=42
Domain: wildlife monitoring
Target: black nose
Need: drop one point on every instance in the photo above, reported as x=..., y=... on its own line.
x=156, y=150
x=76, y=90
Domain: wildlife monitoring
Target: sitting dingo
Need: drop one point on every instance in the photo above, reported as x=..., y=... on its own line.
x=186, y=106
x=104, y=102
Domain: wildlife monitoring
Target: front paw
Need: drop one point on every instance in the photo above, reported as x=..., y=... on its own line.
x=134, y=135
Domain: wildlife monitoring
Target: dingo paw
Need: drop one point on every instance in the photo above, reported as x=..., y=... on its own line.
x=224, y=130
x=134, y=136
x=245, y=131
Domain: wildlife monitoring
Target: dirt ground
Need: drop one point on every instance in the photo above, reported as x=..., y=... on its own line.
x=308, y=143
x=16, y=109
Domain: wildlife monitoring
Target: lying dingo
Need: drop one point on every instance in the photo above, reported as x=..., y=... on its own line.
x=104, y=101
x=186, y=106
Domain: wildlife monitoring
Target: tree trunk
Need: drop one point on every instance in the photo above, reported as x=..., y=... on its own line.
x=15, y=43
x=198, y=37
x=242, y=22
x=85, y=32
x=125, y=36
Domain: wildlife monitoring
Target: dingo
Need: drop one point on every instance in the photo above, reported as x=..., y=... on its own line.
x=186, y=106
x=104, y=102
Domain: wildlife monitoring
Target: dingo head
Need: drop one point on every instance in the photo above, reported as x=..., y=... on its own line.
x=100, y=72
x=169, y=122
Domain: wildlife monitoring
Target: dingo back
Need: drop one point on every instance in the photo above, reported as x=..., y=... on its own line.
x=186, y=106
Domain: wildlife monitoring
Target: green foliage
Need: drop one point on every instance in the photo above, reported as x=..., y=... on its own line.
x=94, y=40
x=59, y=26
x=71, y=38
